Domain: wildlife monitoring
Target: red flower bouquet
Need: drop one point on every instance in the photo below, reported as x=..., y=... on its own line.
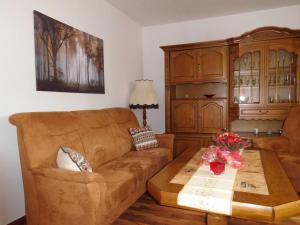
x=230, y=142
x=226, y=150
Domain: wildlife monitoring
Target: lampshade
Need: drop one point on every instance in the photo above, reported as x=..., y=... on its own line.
x=143, y=95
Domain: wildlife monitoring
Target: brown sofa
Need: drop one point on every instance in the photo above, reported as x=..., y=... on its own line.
x=287, y=146
x=60, y=197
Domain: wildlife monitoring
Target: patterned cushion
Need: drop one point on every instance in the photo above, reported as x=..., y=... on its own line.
x=143, y=138
x=71, y=160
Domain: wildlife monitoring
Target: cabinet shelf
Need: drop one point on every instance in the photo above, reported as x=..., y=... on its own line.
x=282, y=102
x=250, y=75
x=281, y=67
x=239, y=87
x=247, y=71
x=281, y=86
x=201, y=98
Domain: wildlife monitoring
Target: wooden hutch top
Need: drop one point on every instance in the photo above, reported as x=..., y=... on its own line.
x=256, y=35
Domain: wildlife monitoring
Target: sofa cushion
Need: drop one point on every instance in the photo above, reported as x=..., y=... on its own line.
x=69, y=159
x=104, y=138
x=291, y=164
x=128, y=174
x=124, y=119
x=143, y=138
x=138, y=166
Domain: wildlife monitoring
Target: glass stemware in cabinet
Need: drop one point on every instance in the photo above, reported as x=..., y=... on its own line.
x=281, y=76
x=247, y=78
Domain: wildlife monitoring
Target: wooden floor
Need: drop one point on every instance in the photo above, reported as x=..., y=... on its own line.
x=147, y=212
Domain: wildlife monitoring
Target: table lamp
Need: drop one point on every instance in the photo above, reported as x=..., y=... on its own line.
x=143, y=97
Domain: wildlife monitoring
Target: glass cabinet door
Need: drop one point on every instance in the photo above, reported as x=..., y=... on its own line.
x=281, y=76
x=247, y=72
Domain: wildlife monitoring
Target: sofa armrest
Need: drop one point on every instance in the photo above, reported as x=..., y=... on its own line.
x=69, y=196
x=69, y=176
x=166, y=141
x=277, y=144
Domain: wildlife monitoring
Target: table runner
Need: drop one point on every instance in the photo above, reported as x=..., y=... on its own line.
x=214, y=193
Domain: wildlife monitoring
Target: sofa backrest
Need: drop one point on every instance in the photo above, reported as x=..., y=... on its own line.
x=100, y=135
x=106, y=133
x=291, y=129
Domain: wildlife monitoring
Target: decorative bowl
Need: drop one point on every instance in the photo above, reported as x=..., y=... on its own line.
x=209, y=95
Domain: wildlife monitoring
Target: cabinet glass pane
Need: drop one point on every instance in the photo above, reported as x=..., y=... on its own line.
x=247, y=78
x=281, y=77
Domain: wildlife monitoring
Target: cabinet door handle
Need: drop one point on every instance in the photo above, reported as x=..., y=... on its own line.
x=199, y=67
x=263, y=111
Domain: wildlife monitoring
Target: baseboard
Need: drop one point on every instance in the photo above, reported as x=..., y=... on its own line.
x=20, y=221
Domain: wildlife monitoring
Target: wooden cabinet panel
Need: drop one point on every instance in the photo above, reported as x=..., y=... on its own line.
x=168, y=109
x=181, y=145
x=263, y=113
x=204, y=142
x=183, y=64
x=184, y=116
x=167, y=68
x=202, y=116
x=212, y=64
x=212, y=116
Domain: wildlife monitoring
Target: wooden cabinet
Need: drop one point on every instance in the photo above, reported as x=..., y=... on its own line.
x=184, y=116
x=212, y=116
x=261, y=73
x=199, y=65
x=183, y=66
x=264, y=75
x=199, y=116
x=212, y=64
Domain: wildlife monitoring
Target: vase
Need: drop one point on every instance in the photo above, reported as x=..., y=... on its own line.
x=217, y=167
x=235, y=159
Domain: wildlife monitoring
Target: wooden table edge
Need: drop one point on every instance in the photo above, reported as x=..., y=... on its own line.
x=259, y=213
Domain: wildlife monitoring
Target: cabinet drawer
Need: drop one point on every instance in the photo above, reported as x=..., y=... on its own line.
x=263, y=113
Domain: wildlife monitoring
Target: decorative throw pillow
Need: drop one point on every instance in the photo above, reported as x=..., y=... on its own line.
x=71, y=160
x=143, y=138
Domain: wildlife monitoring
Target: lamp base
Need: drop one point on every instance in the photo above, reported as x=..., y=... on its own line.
x=144, y=117
x=144, y=107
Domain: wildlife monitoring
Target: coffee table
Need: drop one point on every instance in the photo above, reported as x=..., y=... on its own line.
x=281, y=203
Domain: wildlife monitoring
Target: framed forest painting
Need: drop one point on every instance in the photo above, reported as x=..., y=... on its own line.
x=67, y=59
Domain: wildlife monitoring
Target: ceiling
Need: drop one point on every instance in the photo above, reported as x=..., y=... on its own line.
x=154, y=12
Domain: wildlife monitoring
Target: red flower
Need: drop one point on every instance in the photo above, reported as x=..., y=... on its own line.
x=227, y=149
x=230, y=141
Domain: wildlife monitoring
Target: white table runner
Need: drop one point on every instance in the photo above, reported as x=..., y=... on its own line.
x=209, y=192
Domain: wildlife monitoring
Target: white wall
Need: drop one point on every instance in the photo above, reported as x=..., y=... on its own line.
x=202, y=30
x=122, y=65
